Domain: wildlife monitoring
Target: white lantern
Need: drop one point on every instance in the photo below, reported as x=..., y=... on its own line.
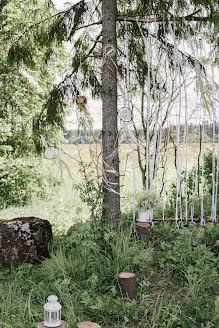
x=52, y=312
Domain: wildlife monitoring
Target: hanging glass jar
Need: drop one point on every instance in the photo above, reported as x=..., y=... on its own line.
x=52, y=312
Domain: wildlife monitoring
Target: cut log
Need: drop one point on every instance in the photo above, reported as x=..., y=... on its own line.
x=127, y=282
x=88, y=324
x=143, y=231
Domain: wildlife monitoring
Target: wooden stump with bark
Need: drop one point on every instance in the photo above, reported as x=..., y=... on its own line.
x=88, y=324
x=143, y=231
x=127, y=282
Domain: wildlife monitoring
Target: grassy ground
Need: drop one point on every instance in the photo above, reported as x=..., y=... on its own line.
x=177, y=280
x=177, y=271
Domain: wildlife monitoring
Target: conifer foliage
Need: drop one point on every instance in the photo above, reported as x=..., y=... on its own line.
x=80, y=24
x=25, y=79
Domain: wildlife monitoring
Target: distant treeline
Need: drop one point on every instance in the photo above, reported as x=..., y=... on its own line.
x=82, y=137
x=194, y=134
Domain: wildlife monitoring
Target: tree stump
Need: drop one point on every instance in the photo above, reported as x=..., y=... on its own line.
x=88, y=324
x=127, y=282
x=143, y=231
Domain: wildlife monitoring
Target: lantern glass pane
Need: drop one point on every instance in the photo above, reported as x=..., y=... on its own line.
x=54, y=316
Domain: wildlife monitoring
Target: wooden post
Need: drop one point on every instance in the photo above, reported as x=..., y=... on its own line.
x=63, y=325
x=143, y=231
x=88, y=324
x=127, y=282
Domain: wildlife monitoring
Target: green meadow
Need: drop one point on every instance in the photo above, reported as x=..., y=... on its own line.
x=177, y=271
x=65, y=207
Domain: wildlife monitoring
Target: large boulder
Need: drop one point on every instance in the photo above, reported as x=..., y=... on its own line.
x=24, y=240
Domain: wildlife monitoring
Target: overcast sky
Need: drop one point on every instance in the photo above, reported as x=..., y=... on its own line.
x=60, y=4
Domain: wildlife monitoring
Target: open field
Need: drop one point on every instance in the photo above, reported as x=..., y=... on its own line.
x=126, y=169
x=126, y=165
x=65, y=206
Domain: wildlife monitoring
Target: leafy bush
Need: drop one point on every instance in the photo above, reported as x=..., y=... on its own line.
x=23, y=179
x=91, y=194
x=189, y=258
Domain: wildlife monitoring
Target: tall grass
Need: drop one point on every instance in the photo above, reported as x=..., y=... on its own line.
x=82, y=271
x=177, y=271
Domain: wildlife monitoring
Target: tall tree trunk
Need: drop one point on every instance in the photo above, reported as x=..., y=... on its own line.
x=111, y=186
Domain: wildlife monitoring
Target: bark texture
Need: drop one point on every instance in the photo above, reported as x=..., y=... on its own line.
x=143, y=231
x=127, y=282
x=88, y=324
x=109, y=114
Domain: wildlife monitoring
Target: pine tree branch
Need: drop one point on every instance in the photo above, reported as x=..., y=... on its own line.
x=6, y=70
x=88, y=25
x=152, y=20
x=79, y=63
x=162, y=19
x=3, y=3
x=123, y=18
x=39, y=23
x=46, y=19
x=165, y=44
